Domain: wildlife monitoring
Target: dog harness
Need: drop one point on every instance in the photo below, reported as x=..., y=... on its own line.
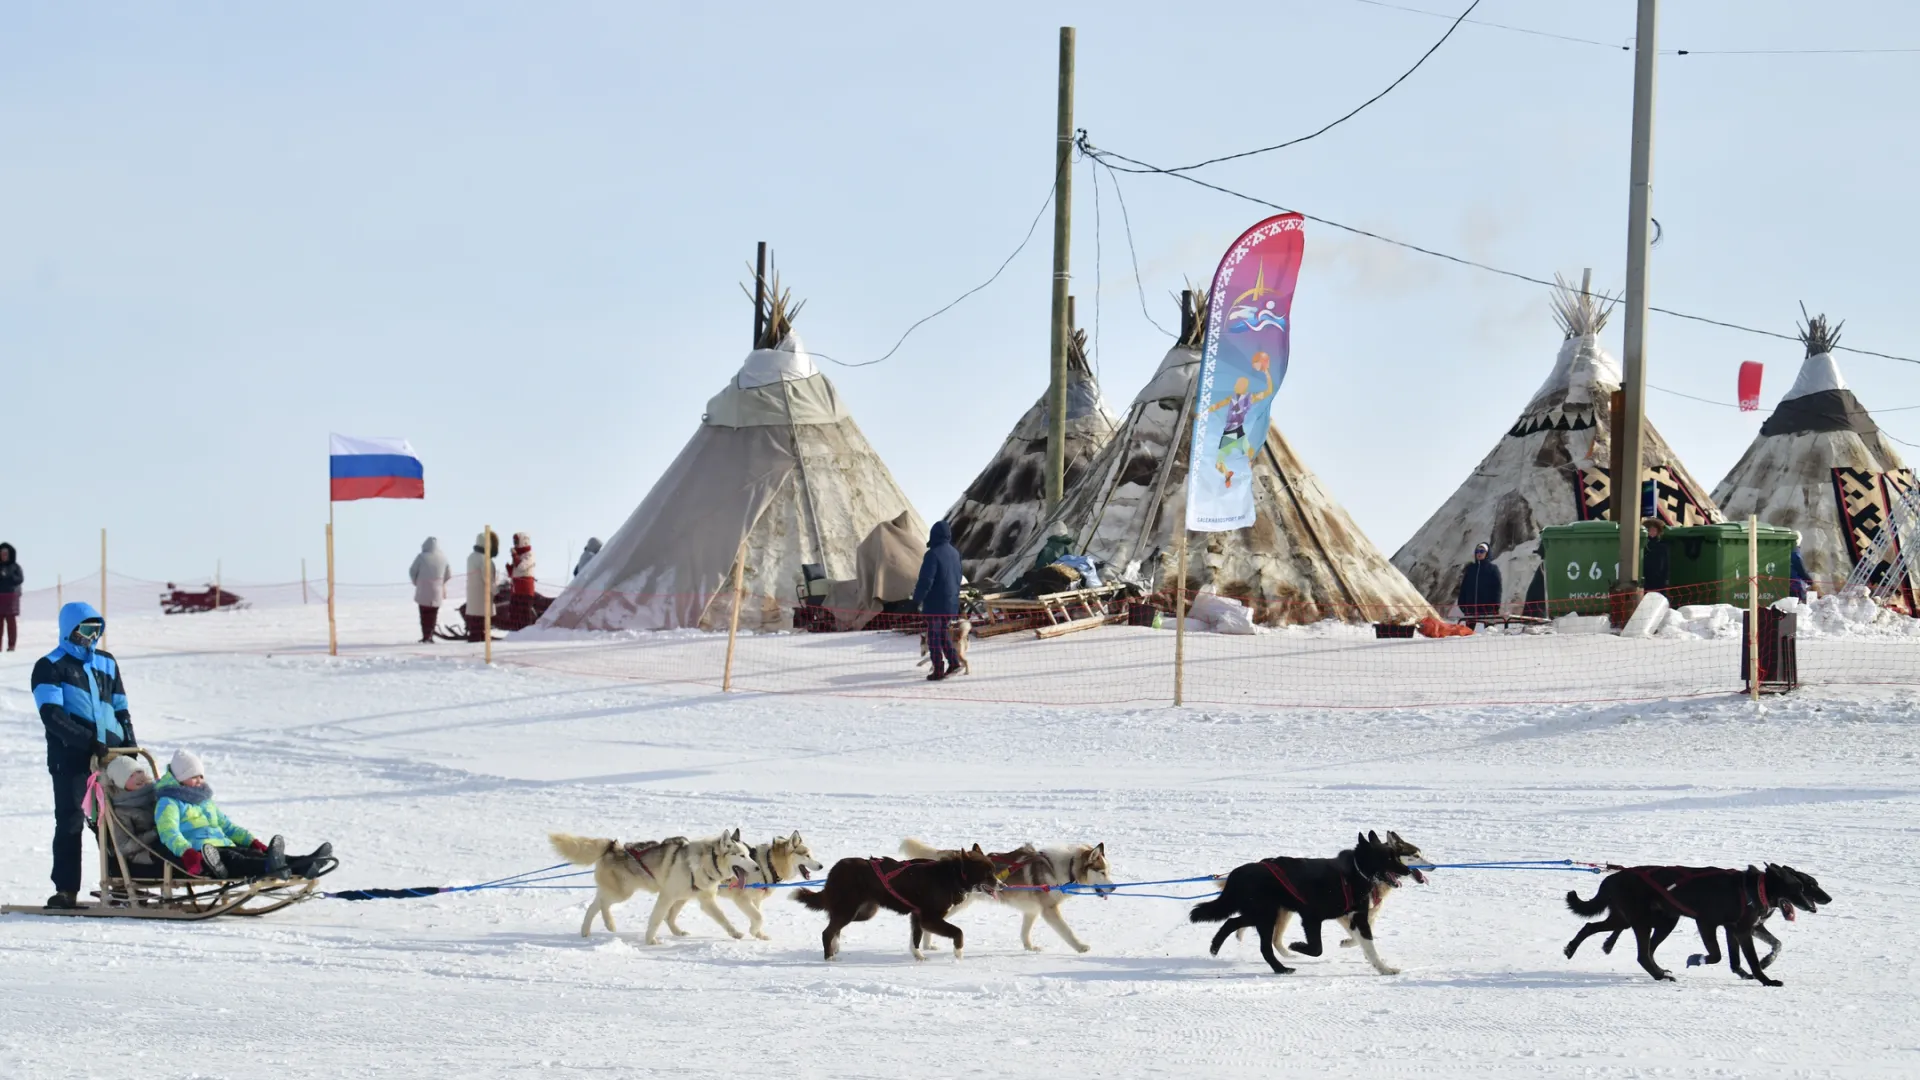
x=1682, y=875
x=1346, y=888
x=639, y=852
x=886, y=880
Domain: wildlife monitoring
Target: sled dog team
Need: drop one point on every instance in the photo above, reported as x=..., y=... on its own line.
x=932, y=884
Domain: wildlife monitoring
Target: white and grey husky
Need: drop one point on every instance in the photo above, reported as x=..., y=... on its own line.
x=778, y=860
x=1030, y=880
x=675, y=869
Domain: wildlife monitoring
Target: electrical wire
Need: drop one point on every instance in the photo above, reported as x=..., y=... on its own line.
x=955, y=302
x=1628, y=47
x=1094, y=354
x=1357, y=109
x=1144, y=168
x=1132, y=253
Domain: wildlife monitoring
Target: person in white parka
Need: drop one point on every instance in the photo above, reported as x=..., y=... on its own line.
x=430, y=574
x=480, y=571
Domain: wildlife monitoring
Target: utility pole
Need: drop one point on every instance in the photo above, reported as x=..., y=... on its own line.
x=1062, y=234
x=1626, y=482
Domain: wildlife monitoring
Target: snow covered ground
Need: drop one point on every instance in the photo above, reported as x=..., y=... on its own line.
x=425, y=768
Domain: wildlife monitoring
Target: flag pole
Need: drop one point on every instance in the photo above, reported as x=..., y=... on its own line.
x=333, y=637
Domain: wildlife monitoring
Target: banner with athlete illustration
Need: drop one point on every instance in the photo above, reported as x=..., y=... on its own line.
x=1249, y=320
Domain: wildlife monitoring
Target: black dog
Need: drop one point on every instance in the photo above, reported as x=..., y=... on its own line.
x=1265, y=896
x=1649, y=900
x=924, y=890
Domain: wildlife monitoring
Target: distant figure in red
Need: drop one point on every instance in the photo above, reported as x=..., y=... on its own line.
x=520, y=571
x=11, y=579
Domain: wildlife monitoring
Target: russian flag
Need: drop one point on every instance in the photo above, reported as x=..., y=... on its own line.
x=374, y=469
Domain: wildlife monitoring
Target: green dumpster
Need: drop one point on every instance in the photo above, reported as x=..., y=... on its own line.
x=1709, y=564
x=1580, y=562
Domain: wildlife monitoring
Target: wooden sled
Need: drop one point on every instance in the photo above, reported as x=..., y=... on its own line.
x=174, y=893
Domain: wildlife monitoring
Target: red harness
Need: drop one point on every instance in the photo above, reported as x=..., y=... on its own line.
x=886, y=880
x=1346, y=889
x=1682, y=876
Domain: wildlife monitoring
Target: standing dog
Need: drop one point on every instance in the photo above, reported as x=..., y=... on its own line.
x=1649, y=900
x=1030, y=880
x=961, y=629
x=1265, y=896
x=924, y=890
x=676, y=869
x=773, y=863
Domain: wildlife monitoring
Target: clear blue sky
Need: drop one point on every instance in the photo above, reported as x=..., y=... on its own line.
x=513, y=233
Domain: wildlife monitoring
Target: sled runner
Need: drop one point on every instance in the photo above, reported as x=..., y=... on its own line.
x=138, y=882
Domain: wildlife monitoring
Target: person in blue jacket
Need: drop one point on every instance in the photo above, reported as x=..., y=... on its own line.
x=1479, y=587
x=83, y=705
x=1799, y=581
x=938, y=594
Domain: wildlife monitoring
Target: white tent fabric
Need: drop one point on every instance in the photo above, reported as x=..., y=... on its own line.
x=1005, y=505
x=779, y=463
x=1550, y=468
x=1788, y=476
x=1303, y=560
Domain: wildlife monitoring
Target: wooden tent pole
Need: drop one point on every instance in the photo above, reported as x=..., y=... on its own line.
x=733, y=621
x=1753, y=606
x=760, y=295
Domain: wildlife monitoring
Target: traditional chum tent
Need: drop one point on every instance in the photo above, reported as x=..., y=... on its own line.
x=777, y=475
x=1819, y=465
x=1006, y=505
x=1552, y=467
x=1303, y=560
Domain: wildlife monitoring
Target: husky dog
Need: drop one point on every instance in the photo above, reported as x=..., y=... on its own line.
x=1405, y=850
x=1265, y=896
x=1649, y=900
x=961, y=629
x=675, y=869
x=1029, y=881
x=773, y=863
x=924, y=890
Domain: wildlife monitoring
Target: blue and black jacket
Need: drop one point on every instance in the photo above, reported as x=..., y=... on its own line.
x=80, y=697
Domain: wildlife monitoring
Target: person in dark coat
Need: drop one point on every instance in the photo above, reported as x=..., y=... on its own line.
x=1656, y=566
x=1535, y=605
x=10, y=581
x=83, y=704
x=1479, y=587
x=938, y=595
x=1799, y=581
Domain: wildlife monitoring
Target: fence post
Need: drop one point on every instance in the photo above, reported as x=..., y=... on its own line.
x=733, y=621
x=1753, y=606
x=486, y=609
x=333, y=632
x=1180, y=620
x=303, y=581
x=103, y=573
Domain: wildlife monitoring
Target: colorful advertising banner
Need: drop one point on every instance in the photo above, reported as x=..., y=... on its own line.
x=1249, y=322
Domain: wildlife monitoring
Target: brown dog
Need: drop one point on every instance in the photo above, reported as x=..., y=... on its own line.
x=924, y=890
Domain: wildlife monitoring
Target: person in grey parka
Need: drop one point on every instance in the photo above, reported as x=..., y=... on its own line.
x=430, y=574
x=586, y=556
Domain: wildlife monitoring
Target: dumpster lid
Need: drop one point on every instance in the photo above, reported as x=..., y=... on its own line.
x=1727, y=532
x=1581, y=528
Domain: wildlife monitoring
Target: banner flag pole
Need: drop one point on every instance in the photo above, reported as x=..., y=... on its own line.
x=486, y=609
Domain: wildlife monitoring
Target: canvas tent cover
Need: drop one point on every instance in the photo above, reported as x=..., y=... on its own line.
x=886, y=568
x=1303, y=560
x=776, y=460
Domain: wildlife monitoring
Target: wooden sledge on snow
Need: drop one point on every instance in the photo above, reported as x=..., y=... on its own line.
x=173, y=893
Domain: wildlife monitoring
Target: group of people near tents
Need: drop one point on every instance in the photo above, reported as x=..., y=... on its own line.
x=432, y=571
x=82, y=701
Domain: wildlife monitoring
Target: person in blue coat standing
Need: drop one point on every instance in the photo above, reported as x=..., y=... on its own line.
x=1479, y=588
x=938, y=594
x=83, y=705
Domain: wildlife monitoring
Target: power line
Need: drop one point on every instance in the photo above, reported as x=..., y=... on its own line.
x=1094, y=168
x=1628, y=47
x=1132, y=253
x=1086, y=147
x=955, y=302
x=1350, y=115
x=1498, y=26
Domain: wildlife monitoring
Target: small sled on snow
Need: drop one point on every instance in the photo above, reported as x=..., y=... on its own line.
x=506, y=616
x=178, y=601
x=136, y=882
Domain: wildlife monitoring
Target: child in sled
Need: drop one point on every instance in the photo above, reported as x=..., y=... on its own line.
x=130, y=794
x=207, y=843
